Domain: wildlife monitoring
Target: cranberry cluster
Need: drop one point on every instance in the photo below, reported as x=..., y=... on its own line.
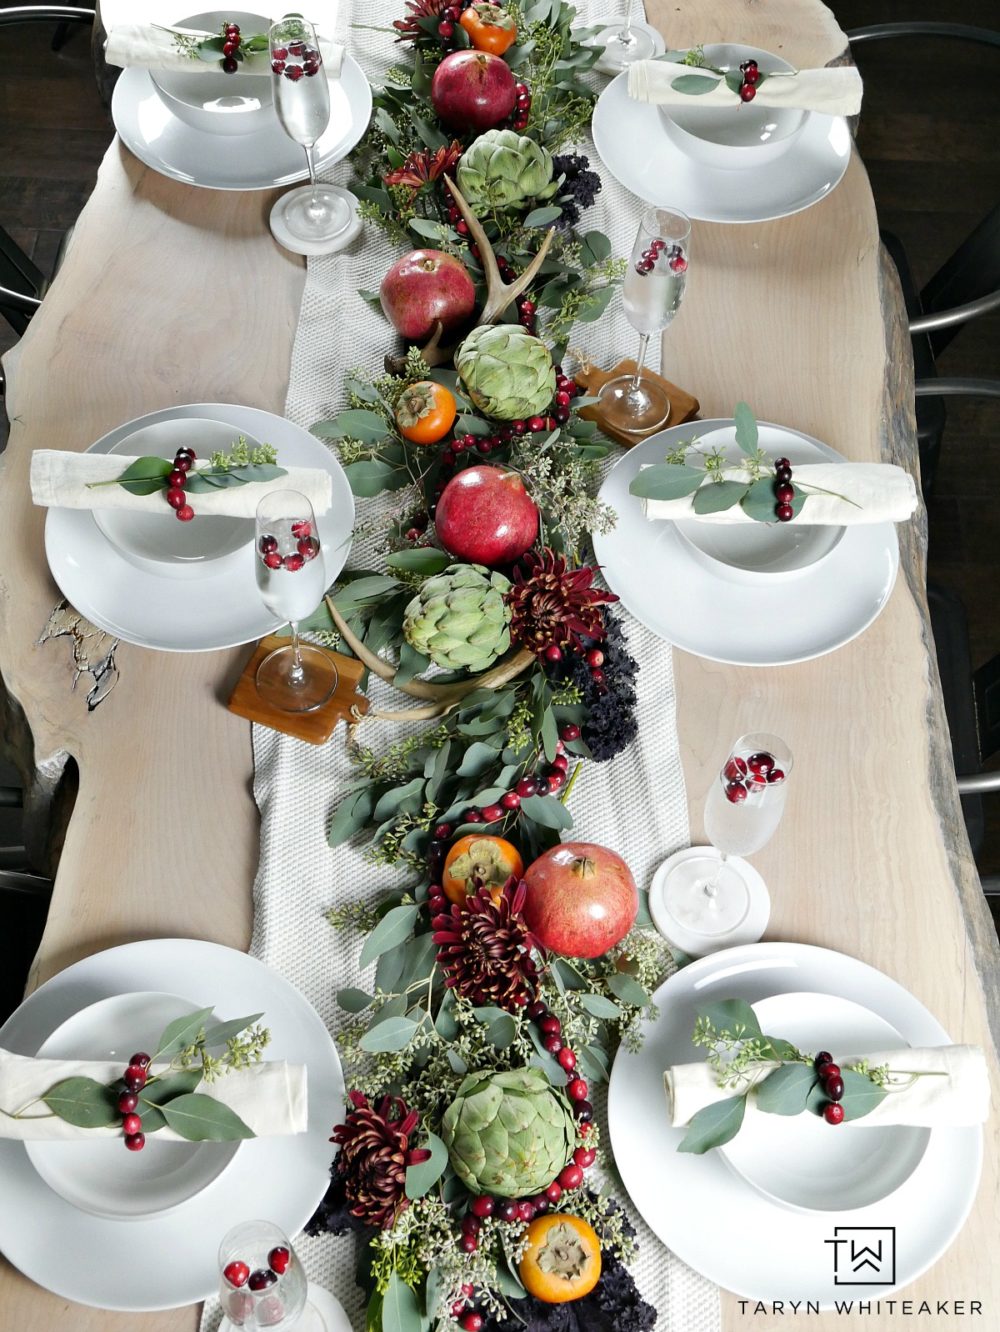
x=449, y=17
x=177, y=480
x=229, y=48
x=306, y=61
x=784, y=491
x=748, y=88
x=594, y=658
x=833, y=1085
x=752, y=774
x=238, y=1273
x=522, y=107
x=676, y=261
x=134, y=1079
x=306, y=548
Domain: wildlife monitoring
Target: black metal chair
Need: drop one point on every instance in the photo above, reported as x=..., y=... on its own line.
x=24, y=906
x=966, y=286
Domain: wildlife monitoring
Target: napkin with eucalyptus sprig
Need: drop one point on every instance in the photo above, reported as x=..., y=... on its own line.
x=686, y=79
x=748, y=1071
x=227, y=485
x=193, y=51
x=205, y=1082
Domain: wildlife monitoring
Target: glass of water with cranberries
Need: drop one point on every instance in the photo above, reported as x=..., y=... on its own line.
x=261, y=1280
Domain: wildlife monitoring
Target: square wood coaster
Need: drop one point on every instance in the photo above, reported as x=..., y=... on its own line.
x=683, y=407
x=314, y=727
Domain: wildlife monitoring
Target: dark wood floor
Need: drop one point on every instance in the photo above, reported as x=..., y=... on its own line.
x=928, y=137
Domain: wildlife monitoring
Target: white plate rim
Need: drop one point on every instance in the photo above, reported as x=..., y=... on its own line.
x=755, y=971
x=200, y=969
x=642, y=126
x=67, y=526
x=844, y=556
x=134, y=85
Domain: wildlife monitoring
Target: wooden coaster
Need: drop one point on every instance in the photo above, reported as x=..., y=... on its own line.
x=314, y=727
x=683, y=407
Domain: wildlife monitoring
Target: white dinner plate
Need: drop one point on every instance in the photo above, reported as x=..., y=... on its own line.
x=168, y=1261
x=639, y=153
x=219, y=610
x=722, y=1226
x=680, y=596
x=258, y=161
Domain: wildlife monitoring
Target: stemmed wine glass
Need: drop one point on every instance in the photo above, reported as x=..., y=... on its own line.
x=653, y=290
x=709, y=895
x=288, y=561
x=262, y=1283
x=623, y=46
x=314, y=212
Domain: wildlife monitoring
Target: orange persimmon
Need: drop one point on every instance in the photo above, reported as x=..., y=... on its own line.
x=425, y=412
x=479, y=861
x=562, y=1260
x=490, y=28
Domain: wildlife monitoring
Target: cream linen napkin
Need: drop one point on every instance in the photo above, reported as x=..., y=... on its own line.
x=269, y=1097
x=59, y=480
x=153, y=48
x=959, y=1098
x=881, y=492
x=834, y=92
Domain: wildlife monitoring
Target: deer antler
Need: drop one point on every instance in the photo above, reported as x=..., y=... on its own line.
x=433, y=353
x=441, y=697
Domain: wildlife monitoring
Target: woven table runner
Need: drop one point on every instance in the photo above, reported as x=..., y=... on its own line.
x=635, y=803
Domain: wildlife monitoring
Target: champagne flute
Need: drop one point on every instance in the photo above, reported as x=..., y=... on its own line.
x=314, y=212
x=654, y=286
x=262, y=1283
x=291, y=578
x=623, y=46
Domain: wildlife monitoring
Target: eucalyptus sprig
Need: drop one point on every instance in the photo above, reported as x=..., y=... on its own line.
x=239, y=467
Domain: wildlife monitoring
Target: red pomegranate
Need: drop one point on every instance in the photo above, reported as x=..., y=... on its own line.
x=581, y=899
x=423, y=287
x=486, y=516
x=473, y=91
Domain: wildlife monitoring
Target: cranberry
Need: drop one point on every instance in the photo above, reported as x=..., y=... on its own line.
x=436, y=905
x=302, y=527
x=554, y=1192
x=462, y=227
x=261, y=1279
x=761, y=763
x=308, y=548
x=229, y=47
x=828, y=1070
x=293, y=563
x=473, y=816
x=567, y=1059
x=735, y=769
x=594, y=659
x=560, y=763
x=736, y=792
x=833, y=1113
x=784, y=493
x=576, y=1089
x=784, y=513
x=571, y=1176
x=782, y=475
x=678, y=264
x=553, y=1044
x=750, y=75
x=597, y=675
x=507, y=1210
x=536, y=424
x=457, y=1308
x=472, y=1322
x=177, y=478
x=834, y=1087
x=280, y=53
x=519, y=427
x=267, y=544
x=135, y=1142
x=782, y=465
x=511, y=800
x=583, y=1111
x=527, y=786
x=182, y=463
x=446, y=29
x=230, y=65
x=310, y=67
x=553, y=652
x=127, y=1102
x=526, y=1210
x=236, y=1273
x=279, y=1259
x=482, y=1206
x=469, y=1290
x=492, y=813
x=484, y=446
x=272, y=559
x=135, y=1078
x=185, y=513
x=775, y=776
x=585, y=1157
x=297, y=48
x=824, y=1057
x=541, y=1204
x=747, y=92
x=550, y=1025
x=536, y=1010
x=176, y=497
x=131, y=1125
x=562, y=398
x=471, y=1224
x=443, y=831
x=293, y=72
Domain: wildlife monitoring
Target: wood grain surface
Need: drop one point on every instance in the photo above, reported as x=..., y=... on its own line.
x=800, y=317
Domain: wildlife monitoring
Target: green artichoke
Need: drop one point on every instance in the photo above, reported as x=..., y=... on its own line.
x=506, y=371
x=501, y=169
x=459, y=618
x=508, y=1134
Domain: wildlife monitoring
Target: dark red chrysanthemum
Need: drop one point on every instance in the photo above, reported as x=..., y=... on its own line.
x=484, y=948
x=409, y=28
x=374, y=1153
x=424, y=167
x=552, y=605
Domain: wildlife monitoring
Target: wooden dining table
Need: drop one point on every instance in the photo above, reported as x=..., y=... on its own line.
x=172, y=294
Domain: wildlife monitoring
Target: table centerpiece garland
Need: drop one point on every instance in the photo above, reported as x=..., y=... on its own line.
x=470, y=1128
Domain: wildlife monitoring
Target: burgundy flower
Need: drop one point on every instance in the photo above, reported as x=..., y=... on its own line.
x=484, y=948
x=424, y=167
x=409, y=28
x=374, y=1153
x=552, y=604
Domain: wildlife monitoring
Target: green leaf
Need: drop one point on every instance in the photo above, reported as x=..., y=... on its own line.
x=395, y=1033
x=550, y=734
x=419, y=1178
x=719, y=495
x=145, y=476
x=160, y=1090
x=179, y=1034
x=861, y=1095
x=786, y=1090
x=594, y=249
x=359, y=591
x=714, y=1125
x=445, y=1023
x=370, y=477
x=746, y=428
x=600, y=1006
x=433, y=231
x=83, y=1102
x=400, y=1311
x=225, y=1031
x=697, y=85
x=200, y=1118
x=472, y=425
x=593, y=1062
x=541, y=217
x=628, y=989
x=664, y=481
x=352, y=1000
x=360, y=424
x=732, y=1015
x=734, y=80
x=547, y=811
x=594, y=304
x=777, y=1048
x=758, y=503
x=411, y=664
x=392, y=801
x=424, y=560
x=350, y=817
x=393, y=929
x=477, y=759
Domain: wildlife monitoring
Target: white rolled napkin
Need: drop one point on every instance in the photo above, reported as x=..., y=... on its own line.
x=60, y=479
x=834, y=92
x=151, y=47
x=874, y=493
x=960, y=1097
x=269, y=1097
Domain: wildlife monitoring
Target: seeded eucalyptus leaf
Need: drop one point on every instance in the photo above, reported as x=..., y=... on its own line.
x=445, y=1022
x=145, y=476
x=550, y=734
x=350, y=816
x=542, y=217
x=419, y=1178
x=83, y=1102
x=600, y=1006
x=758, y=503
x=393, y=929
x=370, y=477
x=200, y=1118
x=746, y=428
x=547, y=811
x=717, y=496
x=360, y=424
x=732, y=1015
x=666, y=481
x=780, y=1049
x=861, y=1095
x=360, y=591
x=161, y=1090
x=477, y=759
x=179, y=1034
x=508, y=1282
x=593, y=1063
x=714, y=1125
x=353, y=1001
x=394, y=1033
x=393, y=800
x=594, y=304
x=594, y=249
x=628, y=989
x=225, y=1031
x=152, y=1118
x=734, y=80
x=697, y=85
x=786, y=1090
x=456, y=1061
x=421, y=560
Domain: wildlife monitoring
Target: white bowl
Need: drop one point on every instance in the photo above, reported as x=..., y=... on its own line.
x=101, y=1176
x=158, y=543
x=750, y=553
x=218, y=102
x=734, y=138
x=803, y=1162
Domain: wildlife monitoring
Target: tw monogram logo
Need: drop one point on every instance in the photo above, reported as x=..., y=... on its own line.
x=864, y=1255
